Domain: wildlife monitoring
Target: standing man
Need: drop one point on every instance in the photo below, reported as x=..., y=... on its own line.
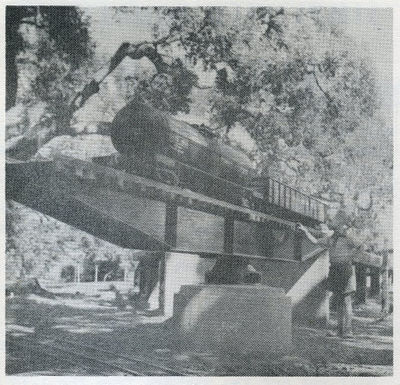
x=342, y=279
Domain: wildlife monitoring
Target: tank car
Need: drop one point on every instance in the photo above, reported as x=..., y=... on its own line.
x=156, y=145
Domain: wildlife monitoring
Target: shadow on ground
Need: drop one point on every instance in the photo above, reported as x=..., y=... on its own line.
x=369, y=353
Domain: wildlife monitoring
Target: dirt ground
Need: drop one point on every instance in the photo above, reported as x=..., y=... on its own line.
x=369, y=353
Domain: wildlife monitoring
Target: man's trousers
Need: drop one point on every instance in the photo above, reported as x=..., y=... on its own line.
x=344, y=314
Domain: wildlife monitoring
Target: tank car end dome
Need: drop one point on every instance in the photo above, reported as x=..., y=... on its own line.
x=137, y=127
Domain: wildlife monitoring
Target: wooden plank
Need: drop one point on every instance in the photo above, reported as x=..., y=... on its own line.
x=199, y=231
x=307, y=248
x=111, y=176
x=100, y=174
x=145, y=214
x=133, y=221
x=162, y=286
x=297, y=245
x=253, y=238
x=228, y=233
x=55, y=200
x=265, y=238
x=282, y=245
x=245, y=238
x=312, y=253
x=171, y=222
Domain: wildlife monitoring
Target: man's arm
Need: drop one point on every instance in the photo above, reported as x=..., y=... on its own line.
x=353, y=239
x=322, y=239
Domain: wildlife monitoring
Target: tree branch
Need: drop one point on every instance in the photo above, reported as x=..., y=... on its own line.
x=28, y=61
x=29, y=22
x=198, y=86
x=164, y=40
x=319, y=86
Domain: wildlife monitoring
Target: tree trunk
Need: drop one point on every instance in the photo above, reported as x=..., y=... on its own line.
x=11, y=78
x=385, y=283
x=14, y=44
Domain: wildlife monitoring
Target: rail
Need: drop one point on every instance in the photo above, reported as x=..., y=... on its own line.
x=95, y=359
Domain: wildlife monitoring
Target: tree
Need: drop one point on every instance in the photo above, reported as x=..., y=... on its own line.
x=310, y=103
x=281, y=74
x=65, y=28
x=49, y=48
x=24, y=253
x=281, y=83
x=16, y=264
x=287, y=76
x=35, y=244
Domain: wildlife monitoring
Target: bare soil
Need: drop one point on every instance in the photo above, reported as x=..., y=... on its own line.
x=369, y=353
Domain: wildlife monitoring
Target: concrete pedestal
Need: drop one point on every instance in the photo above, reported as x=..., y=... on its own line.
x=234, y=318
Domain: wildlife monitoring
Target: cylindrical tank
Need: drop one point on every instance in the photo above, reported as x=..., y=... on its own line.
x=139, y=128
x=143, y=132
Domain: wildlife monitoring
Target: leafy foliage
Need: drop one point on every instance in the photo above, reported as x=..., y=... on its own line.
x=287, y=76
x=56, y=84
x=63, y=30
x=166, y=91
x=36, y=243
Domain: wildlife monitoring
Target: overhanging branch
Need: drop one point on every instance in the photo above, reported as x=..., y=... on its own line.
x=319, y=86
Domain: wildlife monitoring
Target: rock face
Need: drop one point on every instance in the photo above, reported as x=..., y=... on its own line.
x=233, y=318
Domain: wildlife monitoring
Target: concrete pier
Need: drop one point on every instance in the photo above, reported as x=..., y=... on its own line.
x=233, y=318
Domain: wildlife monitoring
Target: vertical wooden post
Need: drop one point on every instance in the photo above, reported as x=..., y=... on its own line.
x=170, y=235
x=284, y=196
x=279, y=194
x=171, y=222
x=297, y=245
x=228, y=233
x=264, y=237
x=79, y=274
x=385, y=279
x=162, y=288
x=96, y=272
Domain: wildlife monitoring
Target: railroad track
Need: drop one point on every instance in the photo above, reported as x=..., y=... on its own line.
x=95, y=360
x=132, y=359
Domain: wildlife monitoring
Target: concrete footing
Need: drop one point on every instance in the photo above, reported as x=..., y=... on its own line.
x=233, y=318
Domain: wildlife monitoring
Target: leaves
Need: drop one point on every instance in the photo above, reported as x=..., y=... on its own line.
x=36, y=244
x=169, y=91
x=286, y=76
x=62, y=31
x=68, y=30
